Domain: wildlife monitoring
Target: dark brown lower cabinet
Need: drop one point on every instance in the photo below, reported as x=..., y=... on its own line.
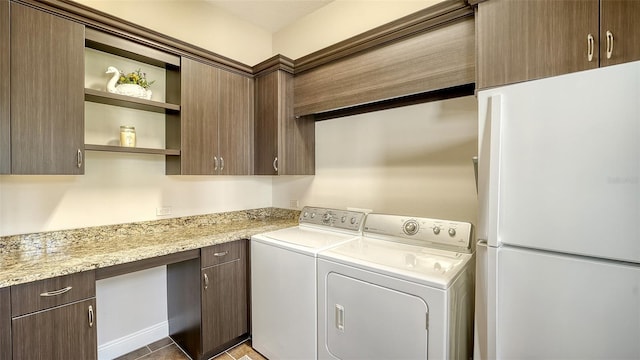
x=5, y=323
x=208, y=305
x=66, y=332
x=224, y=303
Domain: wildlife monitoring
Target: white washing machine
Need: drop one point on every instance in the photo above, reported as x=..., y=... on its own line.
x=283, y=281
x=404, y=290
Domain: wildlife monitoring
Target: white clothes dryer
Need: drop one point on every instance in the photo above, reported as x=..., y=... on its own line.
x=404, y=290
x=283, y=281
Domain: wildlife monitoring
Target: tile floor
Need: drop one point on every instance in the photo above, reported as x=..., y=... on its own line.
x=166, y=349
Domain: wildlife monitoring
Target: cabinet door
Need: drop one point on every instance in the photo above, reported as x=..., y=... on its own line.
x=47, y=93
x=619, y=18
x=5, y=99
x=62, y=333
x=224, y=304
x=199, y=118
x=531, y=39
x=278, y=134
x=267, y=109
x=235, y=124
x=5, y=324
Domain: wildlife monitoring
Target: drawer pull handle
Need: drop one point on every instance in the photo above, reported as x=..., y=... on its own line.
x=220, y=254
x=56, y=292
x=221, y=163
x=275, y=164
x=206, y=281
x=90, y=315
x=590, y=47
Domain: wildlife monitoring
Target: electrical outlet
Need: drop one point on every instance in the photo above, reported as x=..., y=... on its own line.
x=163, y=211
x=294, y=204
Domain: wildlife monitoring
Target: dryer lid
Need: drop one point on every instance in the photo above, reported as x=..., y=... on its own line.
x=428, y=266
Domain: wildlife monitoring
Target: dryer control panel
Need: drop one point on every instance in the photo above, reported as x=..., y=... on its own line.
x=341, y=219
x=444, y=234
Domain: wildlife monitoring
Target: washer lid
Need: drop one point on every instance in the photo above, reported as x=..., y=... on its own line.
x=428, y=266
x=309, y=240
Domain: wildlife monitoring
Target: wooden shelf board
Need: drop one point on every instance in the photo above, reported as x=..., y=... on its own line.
x=103, y=97
x=133, y=150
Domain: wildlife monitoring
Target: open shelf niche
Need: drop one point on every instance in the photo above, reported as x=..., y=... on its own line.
x=157, y=121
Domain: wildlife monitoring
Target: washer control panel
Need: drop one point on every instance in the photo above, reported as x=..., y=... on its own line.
x=451, y=235
x=342, y=219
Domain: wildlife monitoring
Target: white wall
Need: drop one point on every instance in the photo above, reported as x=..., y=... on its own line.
x=196, y=22
x=120, y=188
x=132, y=304
x=340, y=20
x=414, y=160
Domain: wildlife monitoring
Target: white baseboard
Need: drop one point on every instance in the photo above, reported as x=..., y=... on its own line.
x=134, y=341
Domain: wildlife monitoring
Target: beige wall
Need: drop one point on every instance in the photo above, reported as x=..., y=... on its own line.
x=340, y=20
x=414, y=160
x=196, y=22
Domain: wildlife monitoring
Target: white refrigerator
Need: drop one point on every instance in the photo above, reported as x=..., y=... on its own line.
x=558, y=255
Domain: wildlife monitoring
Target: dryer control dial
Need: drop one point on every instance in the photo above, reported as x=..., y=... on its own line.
x=410, y=227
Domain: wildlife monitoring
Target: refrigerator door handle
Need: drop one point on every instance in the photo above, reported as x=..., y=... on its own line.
x=489, y=162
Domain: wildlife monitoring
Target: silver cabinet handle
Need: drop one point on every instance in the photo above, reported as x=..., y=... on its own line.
x=90, y=315
x=275, y=164
x=215, y=163
x=206, y=281
x=590, y=47
x=79, y=158
x=340, y=317
x=609, y=44
x=221, y=163
x=221, y=253
x=56, y=292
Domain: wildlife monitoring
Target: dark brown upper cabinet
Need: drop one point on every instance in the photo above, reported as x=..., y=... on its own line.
x=619, y=31
x=235, y=123
x=532, y=39
x=5, y=86
x=423, y=53
x=284, y=145
x=216, y=121
x=47, y=93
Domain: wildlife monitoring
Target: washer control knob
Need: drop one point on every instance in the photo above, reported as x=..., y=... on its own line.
x=353, y=221
x=343, y=219
x=306, y=214
x=313, y=215
x=436, y=230
x=452, y=232
x=410, y=227
x=326, y=218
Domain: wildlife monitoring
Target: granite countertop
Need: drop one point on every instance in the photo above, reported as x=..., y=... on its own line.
x=31, y=257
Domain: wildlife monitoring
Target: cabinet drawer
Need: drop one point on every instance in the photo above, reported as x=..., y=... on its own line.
x=222, y=253
x=43, y=294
